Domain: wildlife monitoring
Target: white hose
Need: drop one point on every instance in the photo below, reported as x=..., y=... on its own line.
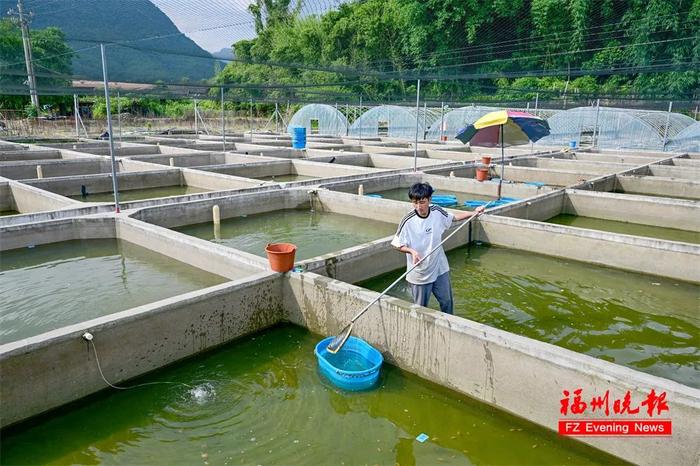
x=99, y=368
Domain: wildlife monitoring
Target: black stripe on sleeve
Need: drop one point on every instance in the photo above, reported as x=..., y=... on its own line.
x=439, y=209
x=408, y=216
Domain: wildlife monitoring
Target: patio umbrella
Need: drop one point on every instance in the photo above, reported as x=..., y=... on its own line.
x=504, y=128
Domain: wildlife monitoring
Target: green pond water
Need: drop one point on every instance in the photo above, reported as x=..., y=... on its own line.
x=401, y=194
x=261, y=400
x=314, y=233
x=8, y=212
x=648, y=323
x=285, y=178
x=140, y=194
x=626, y=228
x=50, y=286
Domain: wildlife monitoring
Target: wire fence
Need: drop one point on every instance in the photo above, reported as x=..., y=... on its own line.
x=14, y=124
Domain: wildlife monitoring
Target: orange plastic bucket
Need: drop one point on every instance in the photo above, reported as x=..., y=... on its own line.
x=482, y=174
x=281, y=256
x=486, y=160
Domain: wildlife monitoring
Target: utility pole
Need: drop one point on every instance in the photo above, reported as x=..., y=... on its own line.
x=31, y=79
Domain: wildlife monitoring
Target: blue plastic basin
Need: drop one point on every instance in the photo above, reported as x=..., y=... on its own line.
x=377, y=196
x=444, y=200
x=355, y=367
x=474, y=203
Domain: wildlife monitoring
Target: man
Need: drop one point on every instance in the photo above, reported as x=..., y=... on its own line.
x=419, y=232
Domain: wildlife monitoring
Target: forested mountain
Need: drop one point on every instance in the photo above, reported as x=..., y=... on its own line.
x=501, y=49
x=85, y=22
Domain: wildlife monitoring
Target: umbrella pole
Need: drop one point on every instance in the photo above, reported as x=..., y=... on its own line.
x=503, y=165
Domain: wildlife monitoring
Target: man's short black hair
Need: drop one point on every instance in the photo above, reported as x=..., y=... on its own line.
x=420, y=191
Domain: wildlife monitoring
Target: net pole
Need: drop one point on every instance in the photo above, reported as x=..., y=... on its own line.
x=442, y=119
x=251, y=119
x=76, y=109
x=196, y=122
x=223, y=120
x=668, y=122
x=115, y=185
x=415, y=145
x=359, y=118
x=119, y=116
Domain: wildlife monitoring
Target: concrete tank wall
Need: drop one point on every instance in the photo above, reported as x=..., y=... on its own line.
x=637, y=254
x=516, y=374
x=49, y=370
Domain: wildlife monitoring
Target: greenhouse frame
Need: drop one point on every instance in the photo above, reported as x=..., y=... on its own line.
x=319, y=119
x=687, y=140
x=615, y=128
x=394, y=122
x=453, y=121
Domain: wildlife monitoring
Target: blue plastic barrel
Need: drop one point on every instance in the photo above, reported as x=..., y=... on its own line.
x=298, y=137
x=572, y=144
x=355, y=367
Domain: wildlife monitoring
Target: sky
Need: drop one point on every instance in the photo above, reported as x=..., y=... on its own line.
x=212, y=24
x=216, y=24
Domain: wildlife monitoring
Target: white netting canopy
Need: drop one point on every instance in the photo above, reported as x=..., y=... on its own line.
x=319, y=119
x=614, y=128
x=393, y=121
x=687, y=140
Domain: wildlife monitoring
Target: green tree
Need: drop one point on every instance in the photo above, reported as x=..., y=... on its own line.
x=572, y=47
x=52, y=65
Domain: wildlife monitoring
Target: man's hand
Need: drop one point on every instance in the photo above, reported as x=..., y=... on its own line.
x=416, y=256
x=479, y=210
